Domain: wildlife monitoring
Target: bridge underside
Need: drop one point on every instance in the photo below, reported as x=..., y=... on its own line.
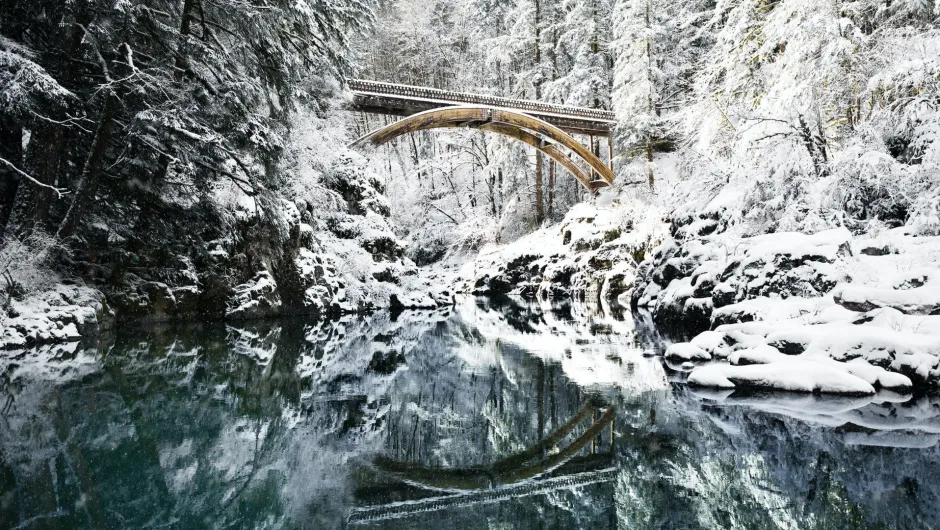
x=547, y=127
x=545, y=466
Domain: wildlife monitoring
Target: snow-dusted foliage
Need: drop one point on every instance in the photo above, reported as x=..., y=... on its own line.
x=818, y=115
x=188, y=159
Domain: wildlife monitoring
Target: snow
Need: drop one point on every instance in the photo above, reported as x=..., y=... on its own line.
x=686, y=352
x=60, y=314
x=793, y=375
x=916, y=301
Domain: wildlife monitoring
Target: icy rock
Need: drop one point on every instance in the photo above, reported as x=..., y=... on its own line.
x=689, y=282
x=713, y=342
x=763, y=309
x=783, y=265
x=761, y=354
x=257, y=298
x=64, y=313
x=878, y=377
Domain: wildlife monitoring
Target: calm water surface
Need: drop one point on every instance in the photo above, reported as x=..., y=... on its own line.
x=481, y=416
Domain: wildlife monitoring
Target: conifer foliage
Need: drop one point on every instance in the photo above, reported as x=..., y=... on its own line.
x=119, y=100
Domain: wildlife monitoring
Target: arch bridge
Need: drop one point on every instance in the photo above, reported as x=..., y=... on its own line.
x=547, y=127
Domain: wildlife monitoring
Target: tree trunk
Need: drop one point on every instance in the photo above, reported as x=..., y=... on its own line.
x=11, y=141
x=181, y=64
x=499, y=189
x=539, y=205
x=48, y=141
x=491, y=188
x=538, y=49
x=595, y=48
x=50, y=144
x=551, y=189
x=91, y=171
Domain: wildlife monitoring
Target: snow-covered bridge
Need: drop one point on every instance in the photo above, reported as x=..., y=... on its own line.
x=545, y=126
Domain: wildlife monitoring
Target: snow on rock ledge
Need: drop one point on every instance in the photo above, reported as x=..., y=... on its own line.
x=792, y=375
x=684, y=351
x=916, y=301
x=867, y=306
x=62, y=314
x=687, y=282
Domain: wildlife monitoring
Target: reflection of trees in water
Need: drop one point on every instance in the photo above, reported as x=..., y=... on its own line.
x=275, y=425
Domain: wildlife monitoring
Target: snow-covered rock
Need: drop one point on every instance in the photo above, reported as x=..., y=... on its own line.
x=257, y=298
x=915, y=301
x=64, y=313
x=791, y=375
x=591, y=255
x=684, y=351
x=691, y=282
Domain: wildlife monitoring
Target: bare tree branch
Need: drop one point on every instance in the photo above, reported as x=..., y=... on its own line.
x=60, y=192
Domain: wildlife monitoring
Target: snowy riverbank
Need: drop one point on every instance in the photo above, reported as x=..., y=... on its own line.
x=828, y=312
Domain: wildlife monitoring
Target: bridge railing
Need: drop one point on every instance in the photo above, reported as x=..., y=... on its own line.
x=409, y=91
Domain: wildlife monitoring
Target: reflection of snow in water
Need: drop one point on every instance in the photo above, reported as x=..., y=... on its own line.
x=272, y=424
x=610, y=359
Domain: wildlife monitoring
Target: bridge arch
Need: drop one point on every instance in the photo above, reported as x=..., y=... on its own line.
x=528, y=129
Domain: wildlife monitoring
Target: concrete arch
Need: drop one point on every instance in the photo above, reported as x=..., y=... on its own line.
x=522, y=127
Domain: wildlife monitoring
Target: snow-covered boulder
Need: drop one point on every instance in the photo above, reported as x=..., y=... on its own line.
x=689, y=283
x=915, y=301
x=684, y=351
x=591, y=255
x=783, y=265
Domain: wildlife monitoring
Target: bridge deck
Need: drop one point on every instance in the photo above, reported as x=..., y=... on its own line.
x=405, y=100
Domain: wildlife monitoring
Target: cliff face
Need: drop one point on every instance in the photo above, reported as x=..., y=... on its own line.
x=320, y=244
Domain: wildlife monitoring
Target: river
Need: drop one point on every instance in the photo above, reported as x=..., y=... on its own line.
x=484, y=415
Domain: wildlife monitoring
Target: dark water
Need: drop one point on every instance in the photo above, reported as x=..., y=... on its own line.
x=504, y=417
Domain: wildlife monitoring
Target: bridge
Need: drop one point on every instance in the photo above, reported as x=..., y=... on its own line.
x=547, y=127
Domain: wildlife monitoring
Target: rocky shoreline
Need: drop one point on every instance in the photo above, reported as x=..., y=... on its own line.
x=70, y=313
x=829, y=312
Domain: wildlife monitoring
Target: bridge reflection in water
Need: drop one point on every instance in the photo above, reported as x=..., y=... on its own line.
x=544, y=466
